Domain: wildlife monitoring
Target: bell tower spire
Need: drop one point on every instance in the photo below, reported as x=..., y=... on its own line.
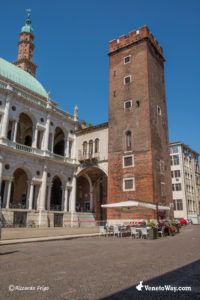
x=26, y=47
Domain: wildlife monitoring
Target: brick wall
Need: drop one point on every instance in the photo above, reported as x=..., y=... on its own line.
x=149, y=130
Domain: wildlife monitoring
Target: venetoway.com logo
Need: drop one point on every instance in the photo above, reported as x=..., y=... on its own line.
x=167, y=287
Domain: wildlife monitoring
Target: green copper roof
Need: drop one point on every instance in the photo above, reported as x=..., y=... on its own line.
x=28, y=23
x=21, y=77
x=27, y=28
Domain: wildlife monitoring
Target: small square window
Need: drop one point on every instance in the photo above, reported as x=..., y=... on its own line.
x=127, y=59
x=128, y=161
x=128, y=104
x=127, y=79
x=129, y=184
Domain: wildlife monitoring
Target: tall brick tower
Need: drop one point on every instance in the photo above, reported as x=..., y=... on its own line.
x=26, y=47
x=138, y=158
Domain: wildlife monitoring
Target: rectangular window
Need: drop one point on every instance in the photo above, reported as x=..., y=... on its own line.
x=177, y=173
x=159, y=112
x=127, y=59
x=127, y=79
x=128, y=161
x=128, y=104
x=178, y=204
x=173, y=149
x=129, y=184
x=174, y=160
x=163, y=189
x=162, y=166
x=176, y=187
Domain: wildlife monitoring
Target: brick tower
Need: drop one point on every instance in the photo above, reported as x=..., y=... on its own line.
x=26, y=47
x=138, y=155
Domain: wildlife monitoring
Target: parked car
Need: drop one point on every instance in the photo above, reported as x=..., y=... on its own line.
x=183, y=221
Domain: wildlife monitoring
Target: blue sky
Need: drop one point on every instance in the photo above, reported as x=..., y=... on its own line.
x=72, y=38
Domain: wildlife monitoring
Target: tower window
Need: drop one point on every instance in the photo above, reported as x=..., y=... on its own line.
x=128, y=161
x=138, y=103
x=127, y=59
x=128, y=140
x=159, y=112
x=114, y=73
x=127, y=79
x=114, y=93
x=128, y=104
x=129, y=184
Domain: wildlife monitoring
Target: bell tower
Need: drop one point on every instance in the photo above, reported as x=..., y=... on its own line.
x=138, y=154
x=26, y=47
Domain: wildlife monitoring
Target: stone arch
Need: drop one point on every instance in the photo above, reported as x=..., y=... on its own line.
x=19, y=191
x=59, y=141
x=25, y=130
x=92, y=191
x=56, y=194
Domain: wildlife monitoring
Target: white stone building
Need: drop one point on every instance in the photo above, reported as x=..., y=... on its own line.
x=40, y=152
x=185, y=182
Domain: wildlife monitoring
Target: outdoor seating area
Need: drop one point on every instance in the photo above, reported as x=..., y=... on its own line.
x=140, y=230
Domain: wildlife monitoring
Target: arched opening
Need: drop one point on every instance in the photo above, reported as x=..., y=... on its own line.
x=25, y=130
x=96, y=146
x=83, y=195
x=19, y=189
x=90, y=148
x=59, y=142
x=92, y=192
x=56, y=194
x=85, y=149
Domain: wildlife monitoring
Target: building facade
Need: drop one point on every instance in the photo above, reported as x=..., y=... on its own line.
x=138, y=157
x=185, y=182
x=55, y=172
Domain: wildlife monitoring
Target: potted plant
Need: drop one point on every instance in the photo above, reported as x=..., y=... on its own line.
x=153, y=233
x=176, y=225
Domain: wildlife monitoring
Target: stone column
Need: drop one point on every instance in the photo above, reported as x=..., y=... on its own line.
x=1, y=173
x=34, y=144
x=73, y=196
x=30, y=195
x=66, y=147
x=91, y=199
x=46, y=135
x=52, y=142
x=9, y=184
x=43, y=189
x=15, y=131
x=65, y=198
x=49, y=196
x=5, y=120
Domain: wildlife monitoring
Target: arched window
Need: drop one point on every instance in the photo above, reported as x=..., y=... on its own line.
x=128, y=140
x=90, y=147
x=96, y=148
x=84, y=148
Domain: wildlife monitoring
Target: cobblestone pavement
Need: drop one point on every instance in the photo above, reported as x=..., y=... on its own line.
x=102, y=268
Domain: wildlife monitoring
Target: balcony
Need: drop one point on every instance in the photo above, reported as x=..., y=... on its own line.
x=38, y=152
x=24, y=148
x=87, y=156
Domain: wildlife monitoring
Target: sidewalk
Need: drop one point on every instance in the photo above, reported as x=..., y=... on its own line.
x=28, y=235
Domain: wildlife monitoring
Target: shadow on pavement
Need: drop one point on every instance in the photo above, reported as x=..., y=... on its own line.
x=8, y=252
x=187, y=276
